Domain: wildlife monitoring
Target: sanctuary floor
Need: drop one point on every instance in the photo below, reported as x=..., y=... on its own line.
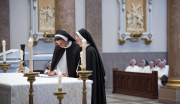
x=113, y=98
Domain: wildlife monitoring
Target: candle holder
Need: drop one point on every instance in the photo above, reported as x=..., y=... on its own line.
x=60, y=95
x=31, y=78
x=21, y=67
x=84, y=76
x=5, y=66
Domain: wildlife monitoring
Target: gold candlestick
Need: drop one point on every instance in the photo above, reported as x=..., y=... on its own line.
x=5, y=66
x=60, y=95
x=84, y=76
x=21, y=67
x=31, y=79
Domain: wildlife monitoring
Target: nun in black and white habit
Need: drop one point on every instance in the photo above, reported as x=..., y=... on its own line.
x=66, y=55
x=94, y=63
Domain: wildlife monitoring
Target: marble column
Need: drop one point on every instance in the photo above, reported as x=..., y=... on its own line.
x=171, y=93
x=174, y=41
x=4, y=23
x=94, y=21
x=65, y=16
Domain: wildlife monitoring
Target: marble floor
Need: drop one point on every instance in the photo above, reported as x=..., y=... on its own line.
x=113, y=98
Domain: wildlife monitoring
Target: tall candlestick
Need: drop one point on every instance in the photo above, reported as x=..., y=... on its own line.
x=21, y=54
x=4, y=50
x=81, y=55
x=30, y=42
x=59, y=80
x=84, y=42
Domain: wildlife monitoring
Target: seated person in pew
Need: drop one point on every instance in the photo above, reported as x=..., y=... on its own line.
x=161, y=71
x=143, y=66
x=26, y=69
x=157, y=63
x=48, y=68
x=166, y=66
x=150, y=68
x=133, y=67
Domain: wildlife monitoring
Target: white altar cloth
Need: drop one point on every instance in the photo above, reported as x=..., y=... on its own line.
x=14, y=89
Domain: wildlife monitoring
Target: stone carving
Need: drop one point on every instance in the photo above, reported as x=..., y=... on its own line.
x=46, y=19
x=135, y=18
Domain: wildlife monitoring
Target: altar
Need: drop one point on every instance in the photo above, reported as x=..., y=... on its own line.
x=14, y=89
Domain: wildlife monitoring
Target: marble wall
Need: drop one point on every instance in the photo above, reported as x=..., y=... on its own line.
x=94, y=21
x=4, y=23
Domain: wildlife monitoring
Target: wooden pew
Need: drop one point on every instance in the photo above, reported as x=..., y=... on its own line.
x=136, y=84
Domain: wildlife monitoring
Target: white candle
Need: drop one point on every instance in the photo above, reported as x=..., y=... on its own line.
x=30, y=42
x=81, y=55
x=21, y=54
x=59, y=80
x=84, y=42
x=4, y=50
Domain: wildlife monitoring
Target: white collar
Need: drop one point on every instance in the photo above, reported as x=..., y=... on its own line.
x=70, y=42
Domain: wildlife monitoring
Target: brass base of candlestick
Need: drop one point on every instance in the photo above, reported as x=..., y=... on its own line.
x=21, y=68
x=60, y=95
x=31, y=78
x=173, y=83
x=84, y=76
x=5, y=66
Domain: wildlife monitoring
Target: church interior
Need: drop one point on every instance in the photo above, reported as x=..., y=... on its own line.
x=89, y=52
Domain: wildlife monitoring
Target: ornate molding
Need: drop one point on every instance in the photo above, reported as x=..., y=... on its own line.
x=35, y=42
x=135, y=17
x=49, y=37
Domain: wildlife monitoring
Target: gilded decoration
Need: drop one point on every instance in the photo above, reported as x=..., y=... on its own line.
x=136, y=15
x=46, y=15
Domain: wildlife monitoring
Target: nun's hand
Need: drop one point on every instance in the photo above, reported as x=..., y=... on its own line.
x=66, y=75
x=49, y=73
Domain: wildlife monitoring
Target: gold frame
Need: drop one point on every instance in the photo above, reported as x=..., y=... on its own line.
x=45, y=35
x=145, y=26
x=121, y=42
x=136, y=32
x=35, y=42
x=150, y=2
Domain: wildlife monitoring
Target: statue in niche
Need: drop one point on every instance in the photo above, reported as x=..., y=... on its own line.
x=46, y=19
x=135, y=18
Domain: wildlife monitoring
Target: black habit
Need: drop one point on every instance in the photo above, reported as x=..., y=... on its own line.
x=72, y=55
x=94, y=63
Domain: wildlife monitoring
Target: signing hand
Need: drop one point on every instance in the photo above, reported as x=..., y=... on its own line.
x=66, y=75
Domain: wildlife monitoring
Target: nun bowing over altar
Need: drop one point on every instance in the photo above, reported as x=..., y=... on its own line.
x=66, y=55
x=94, y=64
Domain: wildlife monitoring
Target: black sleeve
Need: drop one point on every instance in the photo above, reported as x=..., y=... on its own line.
x=91, y=62
x=53, y=59
x=77, y=61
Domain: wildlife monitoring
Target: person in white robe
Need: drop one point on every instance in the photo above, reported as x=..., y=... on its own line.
x=133, y=67
x=157, y=63
x=48, y=68
x=161, y=71
x=143, y=66
x=166, y=66
x=150, y=68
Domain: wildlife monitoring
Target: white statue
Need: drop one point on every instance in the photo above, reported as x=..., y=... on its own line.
x=46, y=19
x=135, y=18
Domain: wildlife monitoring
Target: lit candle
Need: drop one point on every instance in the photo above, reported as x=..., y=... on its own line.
x=30, y=42
x=4, y=50
x=59, y=80
x=81, y=55
x=84, y=42
x=21, y=54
